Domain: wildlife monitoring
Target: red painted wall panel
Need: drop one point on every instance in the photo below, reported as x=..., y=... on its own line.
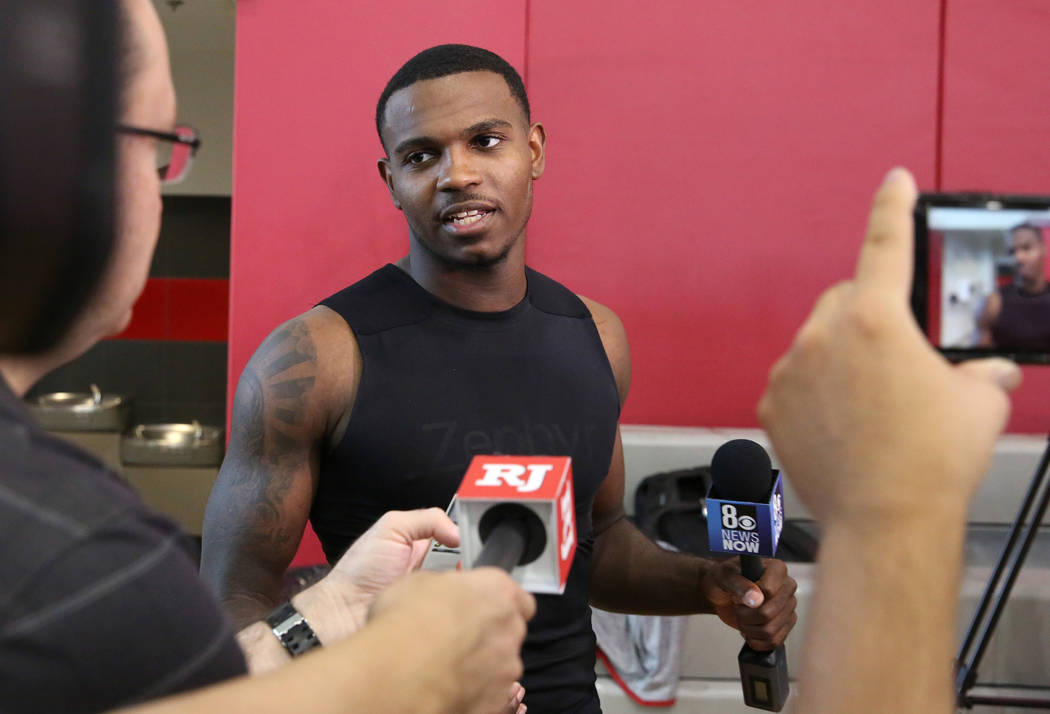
x=709, y=171
x=310, y=214
x=709, y=165
x=997, y=126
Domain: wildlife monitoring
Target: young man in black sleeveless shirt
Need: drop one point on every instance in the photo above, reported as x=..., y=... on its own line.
x=377, y=398
x=1017, y=317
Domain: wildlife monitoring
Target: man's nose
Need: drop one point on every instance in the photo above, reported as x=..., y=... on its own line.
x=458, y=171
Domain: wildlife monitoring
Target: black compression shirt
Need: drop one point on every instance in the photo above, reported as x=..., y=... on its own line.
x=1024, y=320
x=440, y=384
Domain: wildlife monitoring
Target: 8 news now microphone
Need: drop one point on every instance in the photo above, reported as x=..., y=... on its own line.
x=518, y=513
x=745, y=516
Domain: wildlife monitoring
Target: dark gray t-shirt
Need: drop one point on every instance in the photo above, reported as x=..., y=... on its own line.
x=100, y=605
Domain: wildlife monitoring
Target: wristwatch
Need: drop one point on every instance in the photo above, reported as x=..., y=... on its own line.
x=292, y=629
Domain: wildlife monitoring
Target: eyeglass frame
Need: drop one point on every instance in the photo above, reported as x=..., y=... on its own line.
x=194, y=141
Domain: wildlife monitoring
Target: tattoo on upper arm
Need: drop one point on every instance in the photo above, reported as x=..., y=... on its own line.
x=271, y=428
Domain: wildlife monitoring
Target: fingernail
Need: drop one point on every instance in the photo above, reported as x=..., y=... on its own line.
x=751, y=599
x=1007, y=374
x=892, y=174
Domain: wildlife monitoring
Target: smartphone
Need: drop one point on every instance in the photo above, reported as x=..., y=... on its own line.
x=981, y=285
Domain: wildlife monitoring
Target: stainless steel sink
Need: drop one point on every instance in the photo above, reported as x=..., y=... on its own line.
x=173, y=445
x=81, y=411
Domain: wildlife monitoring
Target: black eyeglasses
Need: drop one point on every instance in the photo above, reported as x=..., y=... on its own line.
x=175, y=150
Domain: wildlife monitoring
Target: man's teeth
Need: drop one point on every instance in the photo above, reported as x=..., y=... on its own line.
x=466, y=218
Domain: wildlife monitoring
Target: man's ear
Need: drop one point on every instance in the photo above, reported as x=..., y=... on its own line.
x=538, y=148
x=387, y=175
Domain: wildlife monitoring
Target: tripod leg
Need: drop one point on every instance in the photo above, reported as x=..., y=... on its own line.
x=967, y=671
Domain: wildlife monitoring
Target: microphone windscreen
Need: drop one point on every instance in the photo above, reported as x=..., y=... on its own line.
x=532, y=528
x=740, y=471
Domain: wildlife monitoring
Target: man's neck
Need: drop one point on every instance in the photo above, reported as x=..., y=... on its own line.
x=1034, y=286
x=493, y=288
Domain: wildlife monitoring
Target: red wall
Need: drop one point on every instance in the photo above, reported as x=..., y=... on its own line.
x=709, y=170
x=310, y=214
x=997, y=126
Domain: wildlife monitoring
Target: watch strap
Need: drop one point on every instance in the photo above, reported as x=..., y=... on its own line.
x=292, y=630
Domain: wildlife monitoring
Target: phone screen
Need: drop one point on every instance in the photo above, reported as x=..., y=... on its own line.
x=981, y=275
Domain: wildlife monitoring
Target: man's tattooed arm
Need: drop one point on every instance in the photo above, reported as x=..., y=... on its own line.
x=261, y=499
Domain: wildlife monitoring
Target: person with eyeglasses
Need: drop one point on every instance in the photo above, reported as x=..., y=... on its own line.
x=99, y=605
x=175, y=150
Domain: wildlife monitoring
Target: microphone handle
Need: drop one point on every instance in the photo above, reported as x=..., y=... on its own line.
x=504, y=546
x=751, y=567
x=763, y=675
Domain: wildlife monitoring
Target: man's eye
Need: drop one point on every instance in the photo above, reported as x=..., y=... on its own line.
x=418, y=157
x=488, y=141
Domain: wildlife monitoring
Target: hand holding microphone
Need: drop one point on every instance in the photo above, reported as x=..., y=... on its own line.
x=393, y=547
x=763, y=610
x=745, y=515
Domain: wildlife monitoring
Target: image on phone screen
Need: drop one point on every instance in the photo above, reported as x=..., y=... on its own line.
x=982, y=267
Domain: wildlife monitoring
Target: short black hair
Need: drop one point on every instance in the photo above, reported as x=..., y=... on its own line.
x=1028, y=227
x=443, y=60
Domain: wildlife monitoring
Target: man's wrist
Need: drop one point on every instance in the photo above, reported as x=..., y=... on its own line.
x=933, y=517
x=335, y=610
x=262, y=651
x=704, y=566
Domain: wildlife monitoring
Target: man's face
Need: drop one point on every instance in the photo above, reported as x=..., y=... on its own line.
x=462, y=159
x=1030, y=253
x=149, y=103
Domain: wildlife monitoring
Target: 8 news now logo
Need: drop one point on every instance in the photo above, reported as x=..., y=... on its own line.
x=739, y=524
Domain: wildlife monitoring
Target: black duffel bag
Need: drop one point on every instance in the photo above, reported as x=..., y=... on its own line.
x=670, y=507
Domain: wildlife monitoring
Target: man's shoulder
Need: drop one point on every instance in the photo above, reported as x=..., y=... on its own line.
x=385, y=299
x=614, y=341
x=82, y=552
x=61, y=506
x=552, y=297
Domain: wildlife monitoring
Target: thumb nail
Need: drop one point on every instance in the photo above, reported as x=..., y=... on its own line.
x=1007, y=374
x=1003, y=372
x=751, y=599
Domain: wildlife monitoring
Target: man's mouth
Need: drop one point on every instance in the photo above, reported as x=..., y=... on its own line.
x=461, y=219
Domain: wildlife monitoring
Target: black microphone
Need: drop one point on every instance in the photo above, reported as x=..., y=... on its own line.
x=742, y=472
x=511, y=535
